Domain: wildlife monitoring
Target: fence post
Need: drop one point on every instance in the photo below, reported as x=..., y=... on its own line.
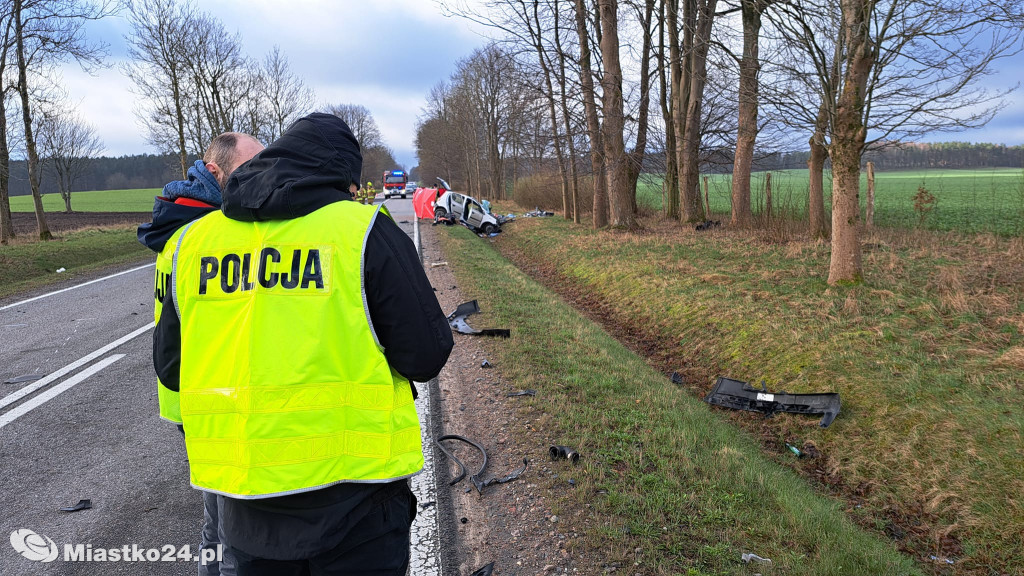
x=707, y=202
x=871, y=195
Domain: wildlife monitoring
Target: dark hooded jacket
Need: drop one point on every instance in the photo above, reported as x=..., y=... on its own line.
x=310, y=166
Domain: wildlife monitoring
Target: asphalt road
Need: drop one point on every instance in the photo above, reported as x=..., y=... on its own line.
x=88, y=429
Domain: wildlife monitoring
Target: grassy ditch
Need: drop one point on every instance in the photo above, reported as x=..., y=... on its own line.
x=30, y=264
x=928, y=356
x=661, y=471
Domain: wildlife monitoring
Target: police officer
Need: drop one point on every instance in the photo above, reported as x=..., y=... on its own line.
x=297, y=320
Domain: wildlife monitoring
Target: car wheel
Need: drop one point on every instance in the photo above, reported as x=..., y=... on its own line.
x=488, y=228
x=440, y=213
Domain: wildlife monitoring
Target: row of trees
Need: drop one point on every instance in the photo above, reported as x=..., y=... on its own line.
x=191, y=75
x=842, y=76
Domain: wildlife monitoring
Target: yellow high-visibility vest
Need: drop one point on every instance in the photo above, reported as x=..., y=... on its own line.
x=284, y=386
x=170, y=408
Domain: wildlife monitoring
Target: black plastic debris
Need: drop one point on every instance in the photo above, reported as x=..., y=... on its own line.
x=457, y=320
x=82, y=505
x=23, y=378
x=677, y=378
x=560, y=452
x=522, y=393
x=426, y=505
x=464, y=520
x=739, y=395
x=485, y=364
x=485, y=571
x=708, y=225
x=475, y=478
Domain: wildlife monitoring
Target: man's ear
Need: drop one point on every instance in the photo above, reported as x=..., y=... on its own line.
x=215, y=170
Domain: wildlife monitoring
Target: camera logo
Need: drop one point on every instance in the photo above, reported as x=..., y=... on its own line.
x=35, y=547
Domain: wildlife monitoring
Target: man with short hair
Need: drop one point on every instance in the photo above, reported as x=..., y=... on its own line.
x=181, y=202
x=298, y=321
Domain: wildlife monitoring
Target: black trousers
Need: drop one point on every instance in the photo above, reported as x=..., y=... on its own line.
x=376, y=545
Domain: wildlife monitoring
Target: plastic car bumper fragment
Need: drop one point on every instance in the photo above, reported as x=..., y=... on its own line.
x=739, y=395
x=457, y=320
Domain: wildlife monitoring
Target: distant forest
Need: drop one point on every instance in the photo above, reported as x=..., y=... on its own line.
x=151, y=171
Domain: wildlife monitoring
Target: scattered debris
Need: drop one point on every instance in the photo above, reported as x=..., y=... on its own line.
x=438, y=264
x=464, y=520
x=522, y=393
x=457, y=320
x=739, y=395
x=708, y=225
x=426, y=505
x=677, y=378
x=811, y=449
x=23, y=378
x=485, y=364
x=748, y=558
x=538, y=213
x=61, y=269
x=487, y=570
x=796, y=451
x=82, y=505
x=934, y=558
x=475, y=478
x=559, y=452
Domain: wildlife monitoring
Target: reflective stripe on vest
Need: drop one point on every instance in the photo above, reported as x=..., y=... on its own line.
x=284, y=387
x=170, y=408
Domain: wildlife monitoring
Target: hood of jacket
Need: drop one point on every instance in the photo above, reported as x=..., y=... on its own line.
x=167, y=218
x=310, y=166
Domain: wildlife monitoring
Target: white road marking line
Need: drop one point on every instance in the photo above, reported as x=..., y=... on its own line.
x=47, y=295
x=425, y=543
x=416, y=235
x=52, y=393
x=14, y=397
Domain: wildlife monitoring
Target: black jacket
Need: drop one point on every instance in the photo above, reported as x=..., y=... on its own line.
x=167, y=218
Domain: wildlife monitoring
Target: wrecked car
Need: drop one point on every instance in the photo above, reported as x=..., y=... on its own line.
x=468, y=210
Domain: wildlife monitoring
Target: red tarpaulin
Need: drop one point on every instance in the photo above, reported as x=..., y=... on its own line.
x=423, y=202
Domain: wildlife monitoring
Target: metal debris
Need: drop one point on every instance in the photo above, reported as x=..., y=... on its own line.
x=438, y=264
x=677, y=378
x=522, y=393
x=510, y=477
x=82, y=505
x=457, y=320
x=559, y=452
x=23, y=378
x=739, y=395
x=708, y=225
x=485, y=364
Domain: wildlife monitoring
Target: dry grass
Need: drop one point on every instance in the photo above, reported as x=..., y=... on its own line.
x=928, y=355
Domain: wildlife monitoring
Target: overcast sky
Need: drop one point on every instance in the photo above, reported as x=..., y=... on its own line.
x=383, y=54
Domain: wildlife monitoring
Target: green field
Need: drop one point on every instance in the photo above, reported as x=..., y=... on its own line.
x=989, y=200
x=139, y=200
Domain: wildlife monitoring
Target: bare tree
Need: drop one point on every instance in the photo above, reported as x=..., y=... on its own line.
x=157, y=48
x=67, y=145
x=364, y=127
x=699, y=16
x=48, y=32
x=750, y=67
x=593, y=120
x=6, y=90
x=620, y=202
x=285, y=95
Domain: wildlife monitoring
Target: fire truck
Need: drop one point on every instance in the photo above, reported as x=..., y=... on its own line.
x=394, y=183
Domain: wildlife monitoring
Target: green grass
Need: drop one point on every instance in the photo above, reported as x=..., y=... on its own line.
x=661, y=471
x=26, y=265
x=139, y=200
x=984, y=200
x=928, y=356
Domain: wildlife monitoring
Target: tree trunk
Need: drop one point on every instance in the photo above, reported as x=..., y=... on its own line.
x=538, y=45
x=680, y=85
x=746, y=133
x=6, y=222
x=593, y=123
x=816, y=171
x=636, y=158
x=848, y=136
x=670, y=186
x=563, y=88
x=26, y=116
x=621, y=204
x=689, y=163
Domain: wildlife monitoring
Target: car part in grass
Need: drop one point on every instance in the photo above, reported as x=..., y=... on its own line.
x=457, y=320
x=560, y=452
x=739, y=395
x=748, y=557
x=521, y=393
x=510, y=477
